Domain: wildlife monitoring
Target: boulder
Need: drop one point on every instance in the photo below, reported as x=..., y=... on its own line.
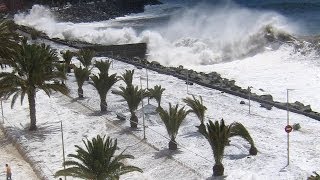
x=266, y=97
x=306, y=108
x=267, y=106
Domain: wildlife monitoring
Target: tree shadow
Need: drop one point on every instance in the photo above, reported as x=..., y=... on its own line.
x=97, y=113
x=216, y=178
x=78, y=99
x=166, y=153
x=128, y=130
x=44, y=130
x=192, y=134
x=238, y=156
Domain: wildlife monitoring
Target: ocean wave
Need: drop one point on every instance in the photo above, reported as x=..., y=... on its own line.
x=200, y=35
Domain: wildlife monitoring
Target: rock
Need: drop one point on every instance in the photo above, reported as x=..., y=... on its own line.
x=267, y=106
x=297, y=105
x=266, y=97
x=155, y=63
x=306, y=108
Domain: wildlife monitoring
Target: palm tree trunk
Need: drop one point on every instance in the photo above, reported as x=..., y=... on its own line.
x=32, y=108
x=253, y=150
x=218, y=169
x=103, y=105
x=133, y=120
x=201, y=128
x=80, y=92
x=173, y=144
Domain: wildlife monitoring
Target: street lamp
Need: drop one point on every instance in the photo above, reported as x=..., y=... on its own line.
x=2, y=111
x=249, y=94
x=144, y=126
x=288, y=158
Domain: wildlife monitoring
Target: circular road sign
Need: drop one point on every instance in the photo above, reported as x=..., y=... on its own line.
x=288, y=128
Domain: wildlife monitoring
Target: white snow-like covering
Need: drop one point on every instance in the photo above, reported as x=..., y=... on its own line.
x=194, y=158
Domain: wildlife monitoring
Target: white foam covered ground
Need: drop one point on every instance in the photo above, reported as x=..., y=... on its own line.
x=272, y=70
x=266, y=128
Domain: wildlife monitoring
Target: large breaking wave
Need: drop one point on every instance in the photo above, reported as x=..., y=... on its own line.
x=200, y=35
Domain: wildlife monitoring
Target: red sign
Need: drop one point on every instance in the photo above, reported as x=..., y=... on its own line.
x=288, y=128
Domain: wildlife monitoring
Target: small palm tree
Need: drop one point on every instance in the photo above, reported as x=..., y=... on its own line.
x=197, y=108
x=127, y=77
x=103, y=82
x=81, y=75
x=97, y=161
x=85, y=57
x=156, y=93
x=133, y=96
x=61, y=68
x=218, y=135
x=172, y=119
x=67, y=56
x=33, y=67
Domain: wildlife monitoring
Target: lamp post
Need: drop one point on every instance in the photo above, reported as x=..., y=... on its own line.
x=249, y=94
x=288, y=137
x=63, y=154
x=143, y=121
x=2, y=111
x=187, y=81
x=147, y=84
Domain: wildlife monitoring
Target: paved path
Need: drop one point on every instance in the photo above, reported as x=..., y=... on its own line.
x=155, y=164
x=21, y=170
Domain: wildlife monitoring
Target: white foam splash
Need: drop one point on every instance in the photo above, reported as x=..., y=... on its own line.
x=200, y=35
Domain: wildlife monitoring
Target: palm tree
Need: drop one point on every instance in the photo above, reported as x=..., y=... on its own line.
x=33, y=68
x=8, y=44
x=67, y=56
x=62, y=69
x=85, y=57
x=156, y=93
x=316, y=176
x=103, y=82
x=133, y=96
x=197, y=108
x=127, y=77
x=172, y=119
x=81, y=75
x=97, y=161
x=218, y=135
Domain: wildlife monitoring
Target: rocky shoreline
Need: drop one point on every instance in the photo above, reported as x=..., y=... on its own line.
x=99, y=10
x=211, y=80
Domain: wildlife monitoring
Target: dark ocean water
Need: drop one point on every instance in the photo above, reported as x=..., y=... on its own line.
x=306, y=13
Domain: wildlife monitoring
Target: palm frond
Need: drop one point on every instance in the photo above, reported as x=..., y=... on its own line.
x=172, y=119
x=85, y=57
x=156, y=93
x=127, y=77
x=97, y=161
x=197, y=107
